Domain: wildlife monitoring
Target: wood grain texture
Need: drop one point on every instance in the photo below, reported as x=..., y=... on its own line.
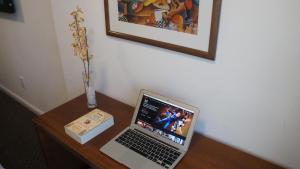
x=204, y=153
x=57, y=157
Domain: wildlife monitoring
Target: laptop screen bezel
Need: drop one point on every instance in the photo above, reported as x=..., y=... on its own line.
x=192, y=109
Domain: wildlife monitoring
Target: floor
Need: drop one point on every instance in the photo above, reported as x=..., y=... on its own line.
x=19, y=146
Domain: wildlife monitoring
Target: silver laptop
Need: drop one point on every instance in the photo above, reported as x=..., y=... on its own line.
x=159, y=134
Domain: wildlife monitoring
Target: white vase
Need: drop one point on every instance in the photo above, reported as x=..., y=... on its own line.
x=90, y=90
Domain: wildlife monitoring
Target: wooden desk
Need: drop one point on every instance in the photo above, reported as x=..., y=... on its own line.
x=62, y=152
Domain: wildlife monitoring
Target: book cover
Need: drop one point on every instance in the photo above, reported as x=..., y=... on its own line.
x=88, y=126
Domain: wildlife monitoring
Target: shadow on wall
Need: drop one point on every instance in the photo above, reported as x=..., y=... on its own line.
x=200, y=126
x=18, y=16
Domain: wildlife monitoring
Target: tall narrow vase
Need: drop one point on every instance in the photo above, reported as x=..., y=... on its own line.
x=90, y=90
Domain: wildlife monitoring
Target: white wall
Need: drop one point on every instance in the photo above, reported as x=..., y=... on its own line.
x=28, y=48
x=249, y=97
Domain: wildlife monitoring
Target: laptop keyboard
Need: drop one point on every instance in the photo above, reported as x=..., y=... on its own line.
x=153, y=150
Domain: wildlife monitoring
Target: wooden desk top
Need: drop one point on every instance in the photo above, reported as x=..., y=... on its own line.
x=204, y=153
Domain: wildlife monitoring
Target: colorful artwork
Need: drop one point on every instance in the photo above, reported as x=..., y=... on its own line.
x=176, y=15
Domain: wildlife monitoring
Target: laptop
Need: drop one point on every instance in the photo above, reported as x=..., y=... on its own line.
x=159, y=134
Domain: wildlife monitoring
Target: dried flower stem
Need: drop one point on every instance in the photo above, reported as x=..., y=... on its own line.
x=80, y=44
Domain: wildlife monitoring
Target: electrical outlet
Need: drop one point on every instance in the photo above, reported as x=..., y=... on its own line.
x=22, y=82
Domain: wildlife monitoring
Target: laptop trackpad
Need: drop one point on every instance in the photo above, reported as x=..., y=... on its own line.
x=133, y=160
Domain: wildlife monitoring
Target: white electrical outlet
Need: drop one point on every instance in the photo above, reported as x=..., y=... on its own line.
x=22, y=82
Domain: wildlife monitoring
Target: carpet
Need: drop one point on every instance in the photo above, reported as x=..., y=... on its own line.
x=19, y=145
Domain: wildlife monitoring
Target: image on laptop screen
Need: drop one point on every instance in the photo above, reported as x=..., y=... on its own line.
x=165, y=119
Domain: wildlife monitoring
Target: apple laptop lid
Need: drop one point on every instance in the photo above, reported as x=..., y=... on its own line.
x=165, y=119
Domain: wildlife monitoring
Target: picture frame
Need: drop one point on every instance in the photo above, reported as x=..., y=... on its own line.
x=7, y=6
x=187, y=26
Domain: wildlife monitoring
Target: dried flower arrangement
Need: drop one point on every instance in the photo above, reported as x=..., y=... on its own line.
x=80, y=41
x=81, y=49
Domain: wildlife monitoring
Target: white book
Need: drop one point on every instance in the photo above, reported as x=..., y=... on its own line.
x=90, y=125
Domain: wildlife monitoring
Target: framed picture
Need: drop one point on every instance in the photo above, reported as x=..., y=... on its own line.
x=7, y=6
x=187, y=26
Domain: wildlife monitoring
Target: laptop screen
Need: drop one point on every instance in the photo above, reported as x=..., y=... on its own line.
x=165, y=119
